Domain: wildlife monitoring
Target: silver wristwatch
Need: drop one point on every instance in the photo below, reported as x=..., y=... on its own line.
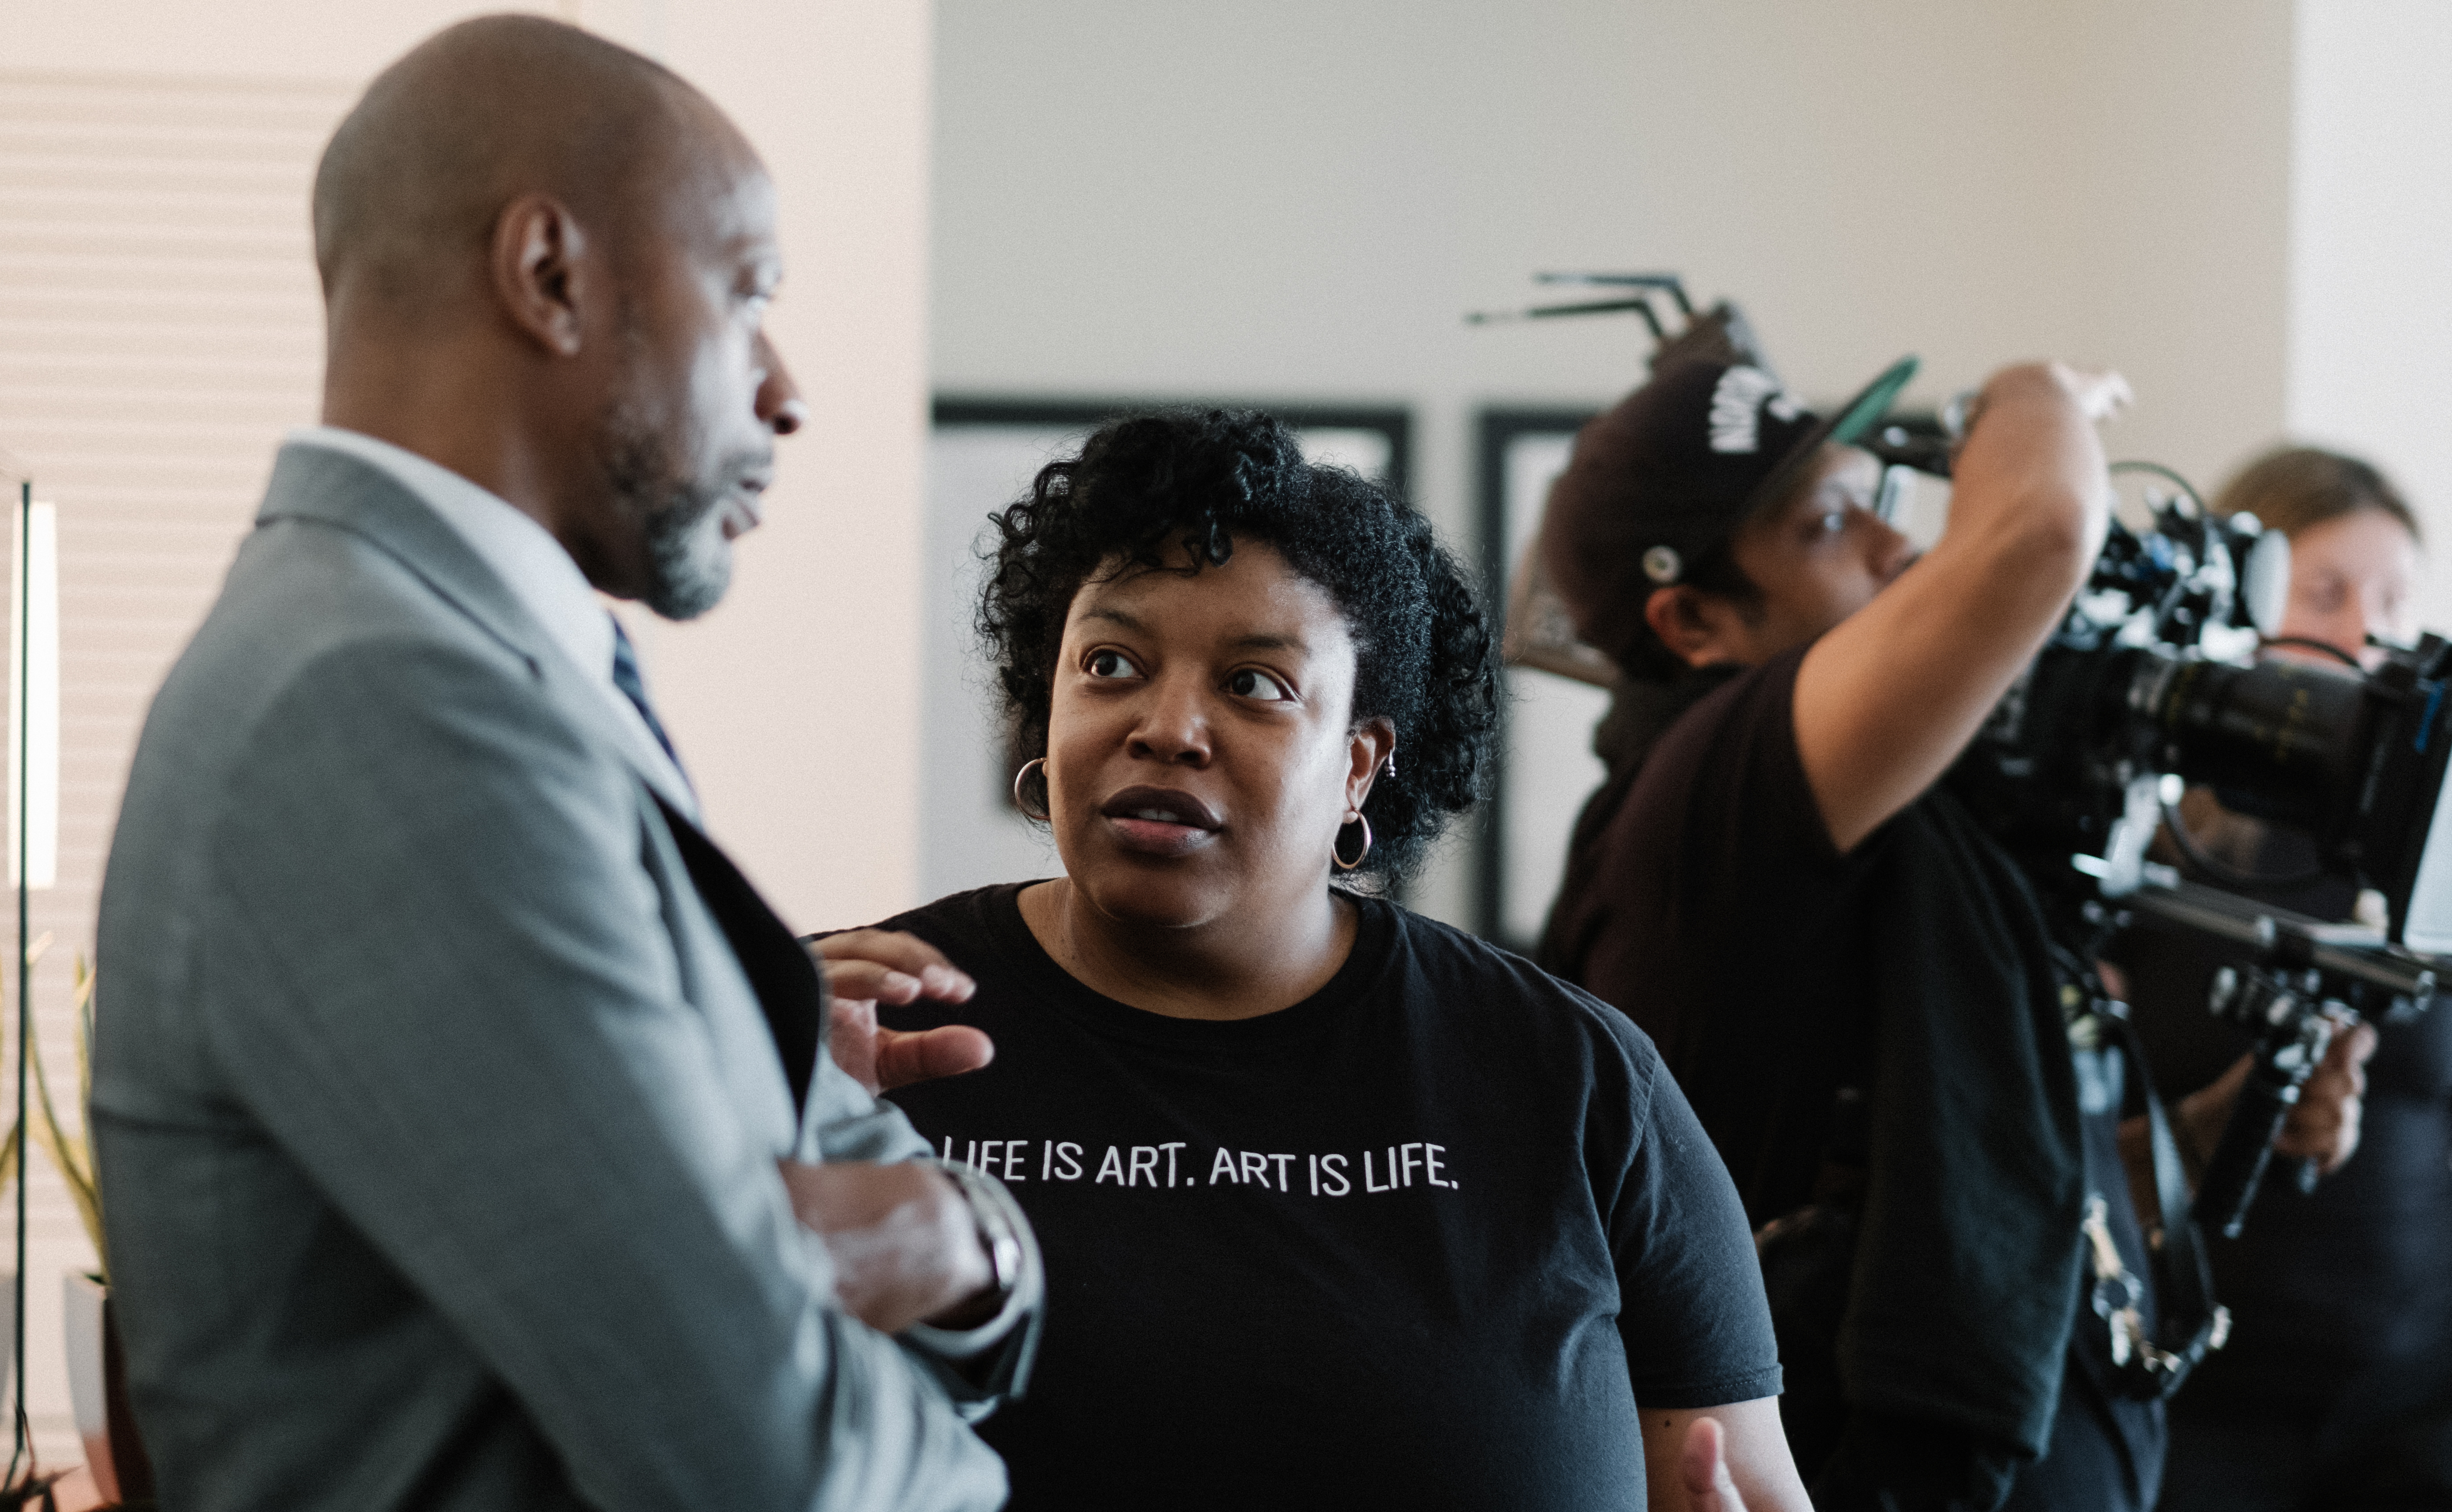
x=999, y=1223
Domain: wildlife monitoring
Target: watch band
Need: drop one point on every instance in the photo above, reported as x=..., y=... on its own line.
x=999, y=1220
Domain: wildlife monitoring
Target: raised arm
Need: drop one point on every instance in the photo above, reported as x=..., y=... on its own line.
x=1889, y=699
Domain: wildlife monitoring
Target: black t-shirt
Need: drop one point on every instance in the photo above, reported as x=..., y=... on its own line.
x=1776, y=972
x=1424, y=1238
x=1720, y=917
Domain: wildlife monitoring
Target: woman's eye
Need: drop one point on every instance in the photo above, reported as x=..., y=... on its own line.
x=1109, y=664
x=1251, y=682
x=2327, y=594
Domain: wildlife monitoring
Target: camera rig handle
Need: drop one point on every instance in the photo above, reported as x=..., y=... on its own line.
x=2306, y=982
x=2286, y=1054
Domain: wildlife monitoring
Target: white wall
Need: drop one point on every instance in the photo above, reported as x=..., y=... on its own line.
x=800, y=690
x=1299, y=198
x=2371, y=251
x=797, y=701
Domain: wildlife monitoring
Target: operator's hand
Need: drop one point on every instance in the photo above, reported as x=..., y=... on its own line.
x=904, y=1245
x=865, y=967
x=1705, y=1470
x=2098, y=394
x=2324, y=1124
x=2101, y=394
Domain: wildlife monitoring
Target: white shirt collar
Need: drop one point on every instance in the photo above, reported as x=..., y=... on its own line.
x=528, y=560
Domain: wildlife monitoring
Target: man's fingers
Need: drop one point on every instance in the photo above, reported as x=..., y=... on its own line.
x=2355, y=1049
x=1705, y=1470
x=906, y=1057
x=888, y=953
x=2099, y=394
x=2324, y=1123
x=902, y=1238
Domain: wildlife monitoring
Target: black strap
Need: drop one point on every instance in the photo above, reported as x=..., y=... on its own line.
x=789, y=988
x=2190, y=1324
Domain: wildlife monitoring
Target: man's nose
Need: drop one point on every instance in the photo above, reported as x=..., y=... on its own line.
x=779, y=403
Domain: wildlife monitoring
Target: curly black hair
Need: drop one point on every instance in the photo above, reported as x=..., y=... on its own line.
x=1426, y=659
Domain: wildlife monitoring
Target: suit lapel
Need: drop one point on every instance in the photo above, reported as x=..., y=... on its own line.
x=311, y=482
x=789, y=990
x=331, y=487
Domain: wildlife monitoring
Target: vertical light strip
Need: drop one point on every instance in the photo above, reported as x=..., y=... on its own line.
x=34, y=688
x=21, y=629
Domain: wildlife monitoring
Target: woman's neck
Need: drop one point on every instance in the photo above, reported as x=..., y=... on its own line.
x=1223, y=970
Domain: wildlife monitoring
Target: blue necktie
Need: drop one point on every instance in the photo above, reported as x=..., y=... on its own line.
x=626, y=677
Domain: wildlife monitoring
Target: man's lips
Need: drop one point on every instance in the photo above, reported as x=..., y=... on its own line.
x=744, y=508
x=1159, y=821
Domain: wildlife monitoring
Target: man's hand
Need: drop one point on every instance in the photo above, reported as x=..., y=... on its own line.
x=903, y=1242
x=2100, y=393
x=865, y=967
x=2324, y=1124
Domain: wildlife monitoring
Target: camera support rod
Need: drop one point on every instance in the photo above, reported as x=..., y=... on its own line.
x=2297, y=994
x=2345, y=952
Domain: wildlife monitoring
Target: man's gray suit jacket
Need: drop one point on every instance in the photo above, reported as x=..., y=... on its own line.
x=437, y=1120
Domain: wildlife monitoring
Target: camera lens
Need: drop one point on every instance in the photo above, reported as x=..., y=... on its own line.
x=2278, y=739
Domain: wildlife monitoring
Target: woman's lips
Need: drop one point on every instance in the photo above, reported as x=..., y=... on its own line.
x=1159, y=821
x=1157, y=837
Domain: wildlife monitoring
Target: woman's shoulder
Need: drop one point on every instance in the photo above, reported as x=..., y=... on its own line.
x=981, y=923
x=1462, y=976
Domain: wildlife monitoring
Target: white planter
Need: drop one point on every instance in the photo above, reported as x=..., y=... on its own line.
x=112, y=1455
x=8, y=1329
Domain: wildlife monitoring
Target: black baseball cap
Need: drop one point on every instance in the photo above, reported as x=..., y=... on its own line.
x=1672, y=471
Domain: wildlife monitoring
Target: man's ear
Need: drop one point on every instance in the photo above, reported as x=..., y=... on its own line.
x=1692, y=624
x=539, y=279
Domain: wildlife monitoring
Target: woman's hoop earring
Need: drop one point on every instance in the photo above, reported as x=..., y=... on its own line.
x=1018, y=802
x=1342, y=864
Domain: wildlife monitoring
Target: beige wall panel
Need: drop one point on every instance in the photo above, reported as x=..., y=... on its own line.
x=160, y=329
x=795, y=701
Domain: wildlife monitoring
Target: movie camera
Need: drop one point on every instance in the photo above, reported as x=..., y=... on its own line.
x=2152, y=682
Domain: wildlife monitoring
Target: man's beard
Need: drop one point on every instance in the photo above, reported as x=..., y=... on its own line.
x=689, y=561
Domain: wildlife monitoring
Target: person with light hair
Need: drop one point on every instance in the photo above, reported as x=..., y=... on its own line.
x=2336, y=1387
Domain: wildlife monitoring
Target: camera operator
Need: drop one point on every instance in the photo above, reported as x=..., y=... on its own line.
x=1853, y=982
x=2339, y=1372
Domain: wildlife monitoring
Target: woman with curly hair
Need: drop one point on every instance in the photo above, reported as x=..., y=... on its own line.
x=1341, y=1207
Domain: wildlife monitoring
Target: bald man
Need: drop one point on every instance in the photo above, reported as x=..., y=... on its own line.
x=469, y=1132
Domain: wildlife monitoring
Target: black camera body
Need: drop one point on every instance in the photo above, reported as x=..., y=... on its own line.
x=2150, y=676
x=2151, y=682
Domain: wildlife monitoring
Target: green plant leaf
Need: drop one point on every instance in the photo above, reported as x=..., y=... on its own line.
x=71, y=1155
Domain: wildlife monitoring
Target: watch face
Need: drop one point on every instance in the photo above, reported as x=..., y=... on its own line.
x=1005, y=1258
x=995, y=1220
